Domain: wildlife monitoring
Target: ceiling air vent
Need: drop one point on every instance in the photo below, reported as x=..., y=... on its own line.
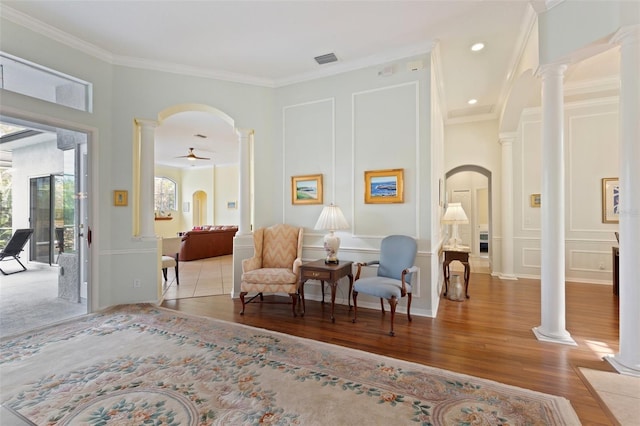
x=326, y=59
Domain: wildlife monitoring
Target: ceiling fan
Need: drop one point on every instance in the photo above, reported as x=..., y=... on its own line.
x=193, y=157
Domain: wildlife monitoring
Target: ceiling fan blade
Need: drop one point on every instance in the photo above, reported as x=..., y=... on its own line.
x=192, y=156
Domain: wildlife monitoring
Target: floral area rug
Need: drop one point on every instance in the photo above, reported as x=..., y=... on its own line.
x=144, y=365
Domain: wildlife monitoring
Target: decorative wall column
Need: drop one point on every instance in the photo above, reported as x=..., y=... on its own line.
x=506, y=144
x=627, y=361
x=147, y=174
x=244, y=203
x=552, y=300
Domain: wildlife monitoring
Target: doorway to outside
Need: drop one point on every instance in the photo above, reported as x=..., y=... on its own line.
x=44, y=187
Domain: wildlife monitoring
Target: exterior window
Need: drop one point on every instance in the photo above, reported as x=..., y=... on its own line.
x=27, y=78
x=165, y=195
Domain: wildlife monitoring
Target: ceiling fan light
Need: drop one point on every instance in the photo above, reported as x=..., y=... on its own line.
x=191, y=158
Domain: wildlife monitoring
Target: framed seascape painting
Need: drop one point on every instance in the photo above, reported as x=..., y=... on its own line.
x=384, y=186
x=306, y=189
x=610, y=200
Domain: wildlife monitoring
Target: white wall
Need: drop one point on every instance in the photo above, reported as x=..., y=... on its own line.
x=476, y=144
x=226, y=191
x=591, y=153
x=340, y=127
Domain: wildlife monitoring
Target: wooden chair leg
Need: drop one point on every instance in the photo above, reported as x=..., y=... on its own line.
x=242, y=294
x=409, y=306
x=354, y=294
x=382, y=305
x=294, y=297
x=392, y=304
x=164, y=273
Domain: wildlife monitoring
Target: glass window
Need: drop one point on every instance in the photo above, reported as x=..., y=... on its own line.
x=165, y=195
x=24, y=77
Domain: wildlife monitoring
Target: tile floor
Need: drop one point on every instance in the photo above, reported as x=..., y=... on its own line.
x=206, y=277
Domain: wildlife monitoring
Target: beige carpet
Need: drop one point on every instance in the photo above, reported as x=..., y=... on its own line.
x=620, y=394
x=139, y=364
x=205, y=277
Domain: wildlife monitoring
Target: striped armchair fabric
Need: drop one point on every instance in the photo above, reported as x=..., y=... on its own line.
x=275, y=265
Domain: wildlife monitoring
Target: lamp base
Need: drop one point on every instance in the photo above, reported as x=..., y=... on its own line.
x=331, y=246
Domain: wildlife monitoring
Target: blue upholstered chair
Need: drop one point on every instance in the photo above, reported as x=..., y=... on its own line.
x=393, y=280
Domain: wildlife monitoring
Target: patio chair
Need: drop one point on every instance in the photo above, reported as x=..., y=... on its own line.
x=14, y=247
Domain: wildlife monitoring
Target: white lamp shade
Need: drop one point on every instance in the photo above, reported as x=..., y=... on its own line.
x=331, y=219
x=455, y=214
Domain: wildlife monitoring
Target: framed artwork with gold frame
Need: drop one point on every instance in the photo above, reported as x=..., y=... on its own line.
x=534, y=200
x=120, y=197
x=306, y=189
x=384, y=186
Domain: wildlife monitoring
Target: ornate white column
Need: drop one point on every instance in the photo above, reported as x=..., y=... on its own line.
x=244, y=203
x=627, y=361
x=552, y=300
x=506, y=144
x=147, y=174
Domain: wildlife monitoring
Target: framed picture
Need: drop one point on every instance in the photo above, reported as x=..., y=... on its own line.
x=384, y=186
x=610, y=200
x=120, y=198
x=232, y=204
x=534, y=200
x=306, y=189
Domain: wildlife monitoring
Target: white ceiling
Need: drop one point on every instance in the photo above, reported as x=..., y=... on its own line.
x=273, y=43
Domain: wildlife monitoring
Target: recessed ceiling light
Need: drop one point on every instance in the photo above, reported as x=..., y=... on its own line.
x=472, y=101
x=477, y=47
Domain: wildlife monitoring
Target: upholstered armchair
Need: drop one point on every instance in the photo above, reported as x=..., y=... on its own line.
x=275, y=265
x=394, y=272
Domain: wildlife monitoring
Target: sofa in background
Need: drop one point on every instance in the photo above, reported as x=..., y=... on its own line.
x=207, y=242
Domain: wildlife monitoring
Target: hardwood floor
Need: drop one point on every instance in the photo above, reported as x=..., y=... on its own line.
x=488, y=335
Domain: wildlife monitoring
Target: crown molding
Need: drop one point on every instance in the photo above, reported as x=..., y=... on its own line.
x=592, y=86
x=48, y=31
x=128, y=61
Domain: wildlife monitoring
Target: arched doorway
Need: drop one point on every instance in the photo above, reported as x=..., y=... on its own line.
x=471, y=186
x=199, y=199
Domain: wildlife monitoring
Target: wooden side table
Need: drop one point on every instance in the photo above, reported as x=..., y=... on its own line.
x=318, y=270
x=461, y=254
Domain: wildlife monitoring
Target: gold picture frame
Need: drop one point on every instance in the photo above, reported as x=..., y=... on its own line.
x=384, y=186
x=610, y=200
x=306, y=189
x=534, y=200
x=120, y=198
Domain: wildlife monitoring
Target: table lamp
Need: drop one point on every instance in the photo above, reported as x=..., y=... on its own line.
x=331, y=219
x=455, y=215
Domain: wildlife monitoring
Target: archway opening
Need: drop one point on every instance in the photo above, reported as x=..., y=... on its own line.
x=471, y=186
